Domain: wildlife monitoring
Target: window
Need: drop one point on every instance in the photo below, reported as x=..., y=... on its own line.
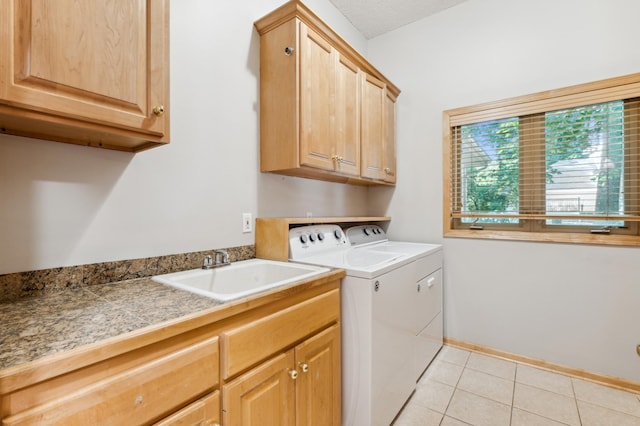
x=555, y=166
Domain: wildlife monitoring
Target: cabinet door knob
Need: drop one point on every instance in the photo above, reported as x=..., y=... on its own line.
x=388, y=171
x=289, y=50
x=158, y=110
x=304, y=367
x=293, y=374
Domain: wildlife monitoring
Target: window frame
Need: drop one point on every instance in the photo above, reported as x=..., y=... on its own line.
x=533, y=107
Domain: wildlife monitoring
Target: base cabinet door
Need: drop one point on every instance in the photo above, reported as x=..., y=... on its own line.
x=203, y=412
x=318, y=397
x=264, y=396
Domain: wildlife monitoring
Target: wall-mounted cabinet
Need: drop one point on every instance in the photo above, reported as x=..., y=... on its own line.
x=378, y=135
x=85, y=72
x=320, y=117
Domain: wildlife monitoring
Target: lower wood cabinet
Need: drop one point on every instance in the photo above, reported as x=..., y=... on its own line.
x=135, y=395
x=263, y=396
x=204, y=412
x=297, y=387
x=267, y=361
x=318, y=386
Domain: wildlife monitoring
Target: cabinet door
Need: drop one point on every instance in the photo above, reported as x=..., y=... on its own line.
x=203, y=412
x=347, y=117
x=264, y=396
x=317, y=84
x=373, y=131
x=90, y=61
x=318, y=395
x=389, y=143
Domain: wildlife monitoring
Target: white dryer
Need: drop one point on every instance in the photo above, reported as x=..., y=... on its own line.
x=390, y=310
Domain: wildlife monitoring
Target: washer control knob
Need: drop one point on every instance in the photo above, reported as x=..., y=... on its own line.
x=338, y=234
x=320, y=236
x=312, y=237
x=366, y=231
x=303, y=239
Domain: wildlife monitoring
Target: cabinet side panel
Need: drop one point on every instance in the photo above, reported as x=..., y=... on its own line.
x=278, y=99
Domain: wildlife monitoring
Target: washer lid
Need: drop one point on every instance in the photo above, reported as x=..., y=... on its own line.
x=359, y=263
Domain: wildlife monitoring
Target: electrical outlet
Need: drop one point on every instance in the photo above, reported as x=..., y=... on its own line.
x=246, y=222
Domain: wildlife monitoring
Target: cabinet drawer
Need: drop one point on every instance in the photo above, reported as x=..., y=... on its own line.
x=205, y=411
x=249, y=344
x=135, y=396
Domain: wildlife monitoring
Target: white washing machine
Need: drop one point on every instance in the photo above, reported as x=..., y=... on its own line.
x=391, y=312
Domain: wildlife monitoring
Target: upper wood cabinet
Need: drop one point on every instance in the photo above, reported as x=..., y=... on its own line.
x=378, y=131
x=317, y=117
x=329, y=113
x=86, y=72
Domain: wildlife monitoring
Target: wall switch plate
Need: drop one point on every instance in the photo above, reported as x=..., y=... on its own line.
x=246, y=222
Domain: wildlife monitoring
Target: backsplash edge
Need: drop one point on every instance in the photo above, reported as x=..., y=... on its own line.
x=18, y=285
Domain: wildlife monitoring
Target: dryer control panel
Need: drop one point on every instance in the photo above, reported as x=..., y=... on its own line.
x=364, y=234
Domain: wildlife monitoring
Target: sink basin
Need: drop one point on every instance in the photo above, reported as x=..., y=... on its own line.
x=239, y=279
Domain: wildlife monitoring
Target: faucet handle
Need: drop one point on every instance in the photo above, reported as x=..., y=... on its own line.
x=207, y=261
x=224, y=257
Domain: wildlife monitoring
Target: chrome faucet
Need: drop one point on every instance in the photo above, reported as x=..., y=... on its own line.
x=207, y=263
x=219, y=258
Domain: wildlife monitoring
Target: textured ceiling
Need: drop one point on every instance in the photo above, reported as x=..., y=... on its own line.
x=375, y=17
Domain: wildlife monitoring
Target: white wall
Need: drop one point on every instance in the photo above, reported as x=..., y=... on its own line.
x=67, y=205
x=573, y=305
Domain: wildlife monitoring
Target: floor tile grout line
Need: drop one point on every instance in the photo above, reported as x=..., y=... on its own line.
x=513, y=396
x=575, y=400
x=455, y=387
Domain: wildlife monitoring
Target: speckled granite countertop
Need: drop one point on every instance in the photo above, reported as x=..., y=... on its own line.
x=34, y=327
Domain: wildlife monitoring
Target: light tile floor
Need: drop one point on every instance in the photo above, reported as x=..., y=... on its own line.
x=462, y=388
